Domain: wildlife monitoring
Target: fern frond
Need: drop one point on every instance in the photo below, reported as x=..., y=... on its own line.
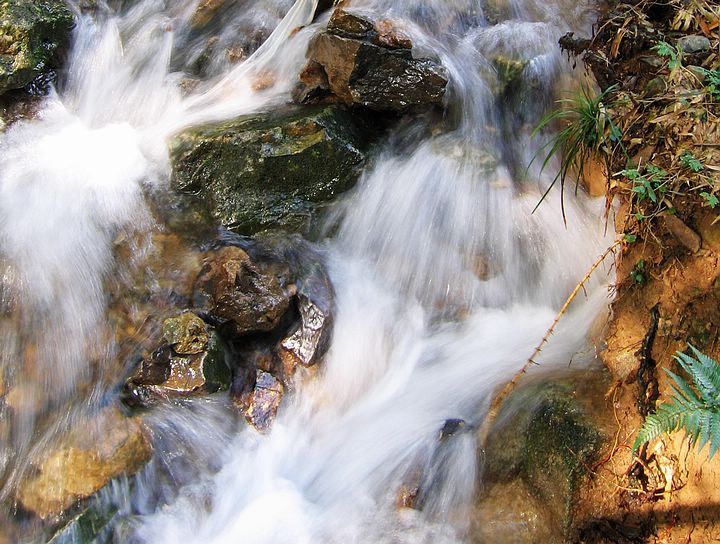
x=682, y=389
x=701, y=377
x=667, y=418
x=693, y=408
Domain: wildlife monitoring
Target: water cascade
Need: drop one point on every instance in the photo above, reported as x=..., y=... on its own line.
x=445, y=277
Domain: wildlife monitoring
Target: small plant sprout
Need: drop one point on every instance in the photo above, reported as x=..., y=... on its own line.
x=689, y=161
x=647, y=182
x=694, y=408
x=710, y=199
x=638, y=272
x=668, y=51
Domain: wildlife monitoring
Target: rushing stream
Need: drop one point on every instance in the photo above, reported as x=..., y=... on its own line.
x=421, y=334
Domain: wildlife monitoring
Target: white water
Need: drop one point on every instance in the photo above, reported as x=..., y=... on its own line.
x=420, y=336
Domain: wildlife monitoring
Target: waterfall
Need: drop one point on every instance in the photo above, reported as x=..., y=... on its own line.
x=445, y=278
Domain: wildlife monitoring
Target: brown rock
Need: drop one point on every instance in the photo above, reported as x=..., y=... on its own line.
x=350, y=25
x=313, y=85
x=371, y=64
x=684, y=234
x=167, y=373
x=205, y=11
x=187, y=334
x=390, y=37
x=240, y=295
x=99, y=450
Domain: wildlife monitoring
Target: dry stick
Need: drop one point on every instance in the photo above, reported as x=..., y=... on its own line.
x=500, y=398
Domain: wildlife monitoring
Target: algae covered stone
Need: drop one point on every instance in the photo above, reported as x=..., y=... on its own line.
x=32, y=33
x=271, y=170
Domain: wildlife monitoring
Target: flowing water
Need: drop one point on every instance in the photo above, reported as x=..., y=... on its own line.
x=445, y=278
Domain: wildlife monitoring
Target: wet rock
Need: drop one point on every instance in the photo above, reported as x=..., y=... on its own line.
x=310, y=340
x=97, y=451
x=264, y=401
x=205, y=12
x=32, y=35
x=271, y=170
x=560, y=447
x=241, y=296
x=187, y=334
x=693, y=44
x=350, y=25
x=370, y=64
x=547, y=440
x=191, y=361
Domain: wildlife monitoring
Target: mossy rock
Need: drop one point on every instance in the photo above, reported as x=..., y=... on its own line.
x=32, y=33
x=546, y=438
x=271, y=170
x=561, y=444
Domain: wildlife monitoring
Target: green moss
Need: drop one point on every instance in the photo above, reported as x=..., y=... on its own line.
x=560, y=445
x=32, y=32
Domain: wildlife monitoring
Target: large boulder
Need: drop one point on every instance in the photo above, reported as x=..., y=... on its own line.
x=537, y=456
x=363, y=62
x=271, y=170
x=32, y=34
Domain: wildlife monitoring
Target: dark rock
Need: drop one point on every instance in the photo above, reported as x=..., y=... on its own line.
x=560, y=447
x=32, y=34
x=693, y=44
x=271, y=170
x=350, y=25
x=571, y=44
x=370, y=64
x=451, y=427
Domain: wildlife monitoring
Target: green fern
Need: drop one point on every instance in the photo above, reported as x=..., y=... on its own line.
x=694, y=408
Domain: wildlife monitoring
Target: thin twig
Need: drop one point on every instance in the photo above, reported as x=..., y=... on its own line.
x=510, y=387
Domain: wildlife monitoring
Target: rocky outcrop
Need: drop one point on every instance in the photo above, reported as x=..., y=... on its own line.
x=364, y=62
x=271, y=170
x=98, y=450
x=256, y=312
x=32, y=34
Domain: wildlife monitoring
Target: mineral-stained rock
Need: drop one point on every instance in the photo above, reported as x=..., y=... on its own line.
x=369, y=63
x=309, y=340
x=191, y=361
x=264, y=401
x=32, y=32
x=271, y=170
x=187, y=333
x=97, y=451
x=241, y=296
